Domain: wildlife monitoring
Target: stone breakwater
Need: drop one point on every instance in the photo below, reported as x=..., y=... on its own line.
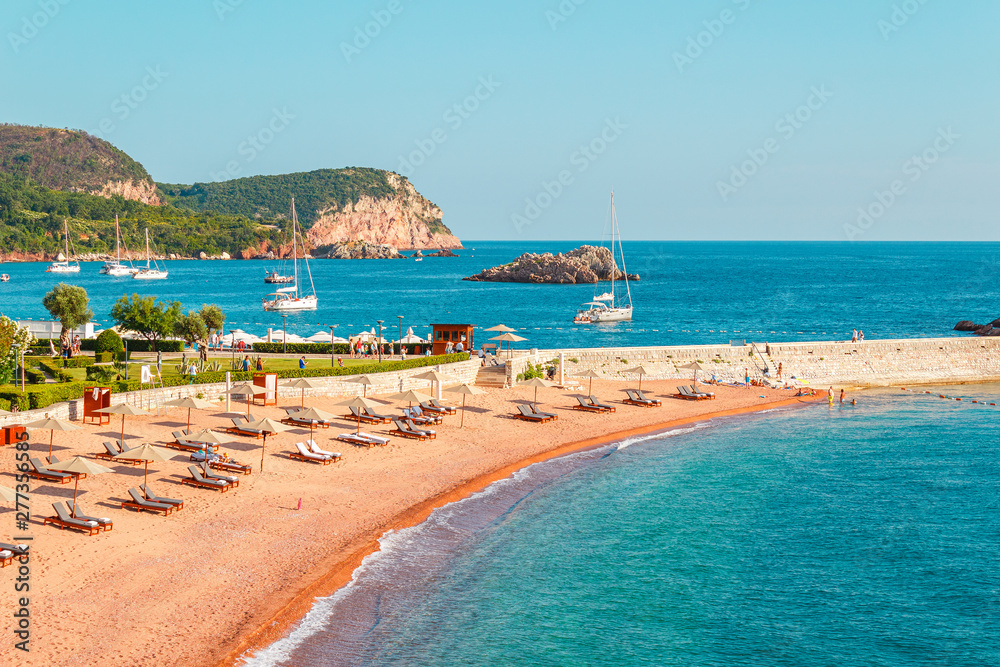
x=873, y=363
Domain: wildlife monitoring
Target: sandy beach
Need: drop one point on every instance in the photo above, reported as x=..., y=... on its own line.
x=234, y=571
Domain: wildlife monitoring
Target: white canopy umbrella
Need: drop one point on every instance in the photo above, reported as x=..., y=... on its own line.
x=412, y=339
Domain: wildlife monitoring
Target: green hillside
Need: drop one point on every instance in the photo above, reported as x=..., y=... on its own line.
x=65, y=159
x=270, y=196
x=31, y=221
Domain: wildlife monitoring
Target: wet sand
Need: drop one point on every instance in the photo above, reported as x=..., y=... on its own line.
x=234, y=571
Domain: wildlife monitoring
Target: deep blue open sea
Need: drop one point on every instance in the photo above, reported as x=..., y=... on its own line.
x=819, y=536
x=690, y=292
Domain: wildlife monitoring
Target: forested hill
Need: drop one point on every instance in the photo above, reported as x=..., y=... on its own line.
x=69, y=160
x=270, y=196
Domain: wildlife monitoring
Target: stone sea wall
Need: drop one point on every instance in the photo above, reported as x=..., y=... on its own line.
x=874, y=363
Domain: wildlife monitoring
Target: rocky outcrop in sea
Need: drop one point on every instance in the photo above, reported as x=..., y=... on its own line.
x=991, y=329
x=586, y=264
x=357, y=250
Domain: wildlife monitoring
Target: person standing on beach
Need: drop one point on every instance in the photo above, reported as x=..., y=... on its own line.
x=779, y=370
x=841, y=396
x=746, y=376
x=829, y=396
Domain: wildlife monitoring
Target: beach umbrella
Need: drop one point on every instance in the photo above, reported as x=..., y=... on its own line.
x=359, y=402
x=303, y=384
x=435, y=376
x=589, y=373
x=52, y=425
x=536, y=383
x=267, y=426
x=502, y=328
x=190, y=403
x=364, y=380
x=694, y=366
x=465, y=390
x=206, y=437
x=509, y=338
x=8, y=494
x=640, y=371
x=146, y=453
x=248, y=390
x=410, y=396
x=79, y=466
x=314, y=415
x=124, y=409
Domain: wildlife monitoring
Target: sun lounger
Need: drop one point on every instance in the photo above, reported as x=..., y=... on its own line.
x=534, y=410
x=694, y=390
x=17, y=550
x=634, y=399
x=138, y=503
x=62, y=520
x=685, y=393
x=291, y=420
x=525, y=413
x=363, y=440
x=359, y=416
x=41, y=472
x=189, y=446
x=199, y=480
x=385, y=418
x=430, y=433
x=643, y=397
x=111, y=450
x=6, y=557
x=585, y=404
x=152, y=497
x=238, y=428
x=230, y=466
x=417, y=416
x=235, y=481
x=305, y=455
x=404, y=430
x=106, y=524
x=441, y=406
x=596, y=402
x=314, y=448
x=426, y=406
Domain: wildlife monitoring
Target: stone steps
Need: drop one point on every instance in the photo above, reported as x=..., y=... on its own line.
x=492, y=376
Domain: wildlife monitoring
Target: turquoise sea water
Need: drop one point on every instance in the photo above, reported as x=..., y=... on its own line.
x=863, y=535
x=690, y=293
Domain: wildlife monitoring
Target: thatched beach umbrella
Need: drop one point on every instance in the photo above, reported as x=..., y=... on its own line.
x=536, y=383
x=694, y=366
x=640, y=371
x=124, y=409
x=359, y=402
x=303, y=384
x=79, y=466
x=365, y=381
x=146, y=453
x=267, y=426
x=589, y=373
x=509, y=338
x=52, y=425
x=206, y=437
x=248, y=390
x=191, y=403
x=465, y=390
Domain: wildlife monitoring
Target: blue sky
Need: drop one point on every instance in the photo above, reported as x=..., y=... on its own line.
x=682, y=107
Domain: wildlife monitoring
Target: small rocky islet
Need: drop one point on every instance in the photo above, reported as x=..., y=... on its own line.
x=586, y=264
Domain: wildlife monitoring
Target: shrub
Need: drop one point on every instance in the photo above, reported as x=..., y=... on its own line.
x=104, y=357
x=109, y=341
x=139, y=345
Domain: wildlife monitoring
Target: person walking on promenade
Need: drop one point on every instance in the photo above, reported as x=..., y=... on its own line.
x=302, y=362
x=861, y=336
x=854, y=336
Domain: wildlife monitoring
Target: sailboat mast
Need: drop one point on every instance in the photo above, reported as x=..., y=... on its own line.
x=118, y=240
x=147, y=248
x=295, y=251
x=621, y=252
x=66, y=236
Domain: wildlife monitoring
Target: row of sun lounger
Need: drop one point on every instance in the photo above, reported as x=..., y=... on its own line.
x=39, y=471
x=363, y=439
x=638, y=398
x=63, y=519
x=692, y=393
x=530, y=413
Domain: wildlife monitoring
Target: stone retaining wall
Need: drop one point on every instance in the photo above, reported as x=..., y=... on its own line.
x=392, y=382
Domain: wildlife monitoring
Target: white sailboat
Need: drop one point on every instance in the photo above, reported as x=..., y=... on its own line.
x=289, y=298
x=610, y=306
x=150, y=272
x=115, y=267
x=65, y=266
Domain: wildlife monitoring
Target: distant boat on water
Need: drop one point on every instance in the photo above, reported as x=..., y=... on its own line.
x=272, y=276
x=609, y=306
x=115, y=267
x=65, y=266
x=289, y=298
x=152, y=270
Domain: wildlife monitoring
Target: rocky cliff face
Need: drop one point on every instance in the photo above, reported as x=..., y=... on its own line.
x=406, y=220
x=144, y=191
x=586, y=264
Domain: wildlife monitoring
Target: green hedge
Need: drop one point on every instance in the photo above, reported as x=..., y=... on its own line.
x=41, y=395
x=90, y=345
x=323, y=348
